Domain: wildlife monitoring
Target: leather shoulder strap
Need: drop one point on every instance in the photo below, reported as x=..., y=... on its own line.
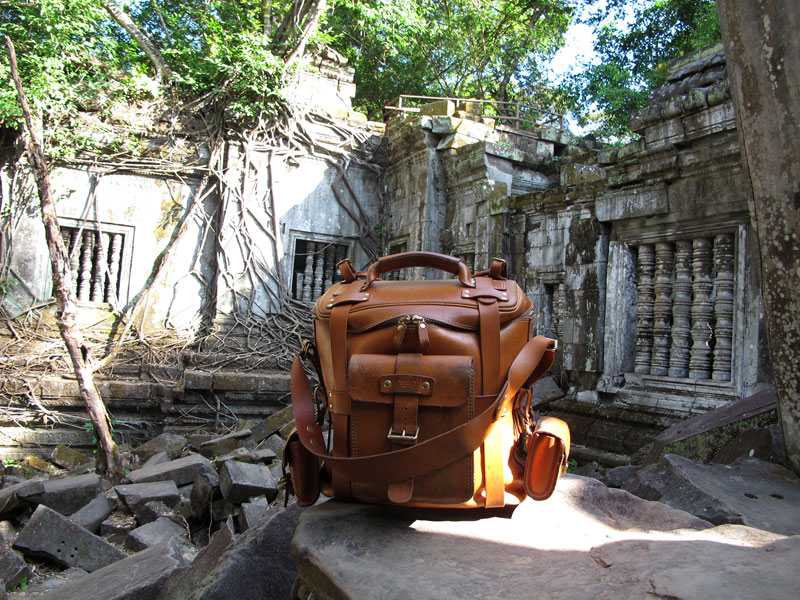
x=532, y=362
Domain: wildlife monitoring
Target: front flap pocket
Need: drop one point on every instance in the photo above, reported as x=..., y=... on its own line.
x=445, y=381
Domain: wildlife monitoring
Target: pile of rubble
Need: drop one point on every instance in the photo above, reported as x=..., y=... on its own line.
x=66, y=521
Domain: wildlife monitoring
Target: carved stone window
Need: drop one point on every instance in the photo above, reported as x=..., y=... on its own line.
x=314, y=267
x=99, y=255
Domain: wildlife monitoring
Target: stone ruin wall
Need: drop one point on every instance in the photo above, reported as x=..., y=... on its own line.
x=639, y=259
x=623, y=251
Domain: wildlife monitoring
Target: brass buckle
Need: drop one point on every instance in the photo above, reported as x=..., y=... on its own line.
x=403, y=438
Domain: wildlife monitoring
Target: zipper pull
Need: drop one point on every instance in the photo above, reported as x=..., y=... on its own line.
x=422, y=330
x=402, y=325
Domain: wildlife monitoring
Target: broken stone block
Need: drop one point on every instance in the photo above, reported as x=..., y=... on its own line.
x=156, y=532
x=240, y=454
x=42, y=587
x=228, y=443
x=171, y=444
x=749, y=492
x=93, y=514
x=263, y=455
x=618, y=477
x=138, y=577
x=222, y=509
x=13, y=569
x=117, y=526
x=241, y=481
x=198, y=439
x=183, y=582
x=274, y=443
x=151, y=511
x=159, y=458
x=49, y=535
x=71, y=493
x=12, y=496
x=250, y=512
x=181, y=470
x=137, y=494
x=69, y=458
x=204, y=491
x=545, y=391
x=34, y=462
x=765, y=443
x=272, y=424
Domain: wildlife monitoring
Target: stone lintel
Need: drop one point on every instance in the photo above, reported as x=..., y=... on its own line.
x=632, y=203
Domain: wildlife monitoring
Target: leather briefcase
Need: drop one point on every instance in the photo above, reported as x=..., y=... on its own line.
x=424, y=389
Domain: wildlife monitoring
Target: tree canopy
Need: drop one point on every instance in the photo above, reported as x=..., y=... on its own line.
x=88, y=54
x=631, y=59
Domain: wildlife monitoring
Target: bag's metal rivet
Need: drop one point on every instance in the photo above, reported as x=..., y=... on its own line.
x=330, y=305
x=399, y=327
x=426, y=385
x=422, y=326
x=387, y=383
x=466, y=294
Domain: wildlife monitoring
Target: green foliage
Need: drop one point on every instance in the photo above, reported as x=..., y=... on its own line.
x=631, y=60
x=464, y=48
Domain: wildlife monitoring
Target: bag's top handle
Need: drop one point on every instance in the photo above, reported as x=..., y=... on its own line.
x=431, y=260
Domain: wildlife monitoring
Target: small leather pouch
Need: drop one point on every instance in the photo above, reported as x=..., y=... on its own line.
x=303, y=470
x=547, y=454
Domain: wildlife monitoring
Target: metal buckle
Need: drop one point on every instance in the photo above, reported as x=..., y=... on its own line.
x=403, y=438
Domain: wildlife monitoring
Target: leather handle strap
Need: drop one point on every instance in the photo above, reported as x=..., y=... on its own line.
x=432, y=260
x=532, y=362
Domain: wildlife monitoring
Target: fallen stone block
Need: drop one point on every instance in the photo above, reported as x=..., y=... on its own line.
x=135, y=495
x=117, y=526
x=156, y=532
x=152, y=511
x=42, y=587
x=39, y=464
x=618, y=477
x=12, y=496
x=240, y=454
x=198, y=439
x=204, y=491
x=228, y=443
x=69, y=458
x=258, y=564
x=251, y=512
x=272, y=424
x=171, y=444
x=241, y=481
x=71, y=493
x=221, y=510
x=263, y=455
x=138, y=577
x=181, y=470
x=158, y=458
x=274, y=443
x=13, y=569
x=749, y=492
x=765, y=443
x=49, y=535
x=93, y=514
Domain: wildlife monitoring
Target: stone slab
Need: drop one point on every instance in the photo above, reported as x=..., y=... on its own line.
x=631, y=203
x=48, y=534
x=170, y=443
x=251, y=512
x=153, y=533
x=750, y=491
x=12, y=496
x=181, y=470
x=138, y=577
x=13, y=569
x=257, y=565
x=228, y=443
x=69, y=458
x=241, y=481
x=585, y=542
x=135, y=495
x=94, y=513
x=71, y=493
x=116, y=527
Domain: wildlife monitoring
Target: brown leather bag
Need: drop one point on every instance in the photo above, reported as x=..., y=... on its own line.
x=426, y=388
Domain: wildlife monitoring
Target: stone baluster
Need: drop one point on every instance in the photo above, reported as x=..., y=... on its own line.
x=85, y=275
x=329, y=267
x=723, y=307
x=308, y=273
x=319, y=264
x=702, y=310
x=644, y=309
x=557, y=314
x=70, y=237
x=99, y=266
x=114, y=260
x=681, y=311
x=662, y=308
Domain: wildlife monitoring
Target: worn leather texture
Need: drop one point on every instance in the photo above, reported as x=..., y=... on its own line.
x=420, y=380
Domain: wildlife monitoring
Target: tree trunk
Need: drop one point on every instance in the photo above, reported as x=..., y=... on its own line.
x=108, y=460
x=163, y=72
x=762, y=47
